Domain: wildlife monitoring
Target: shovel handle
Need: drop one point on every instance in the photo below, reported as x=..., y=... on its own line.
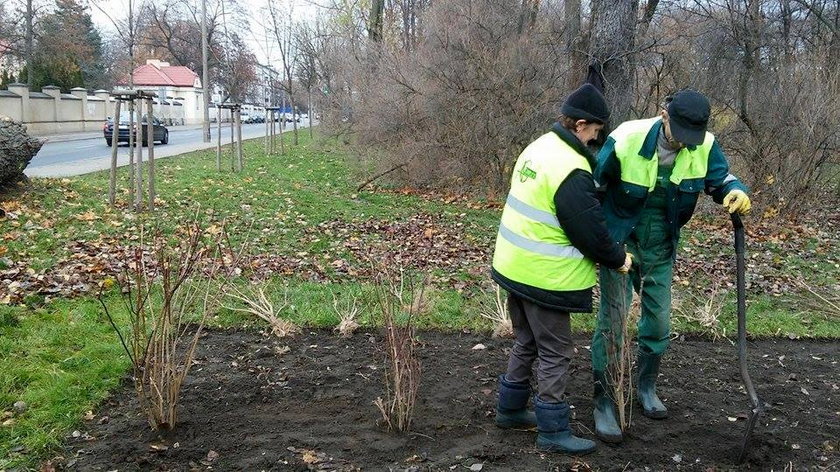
x=738, y=226
x=740, y=244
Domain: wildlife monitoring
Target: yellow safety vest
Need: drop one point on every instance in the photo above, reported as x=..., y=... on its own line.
x=531, y=247
x=640, y=170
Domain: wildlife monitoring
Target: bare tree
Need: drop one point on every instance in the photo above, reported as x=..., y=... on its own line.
x=307, y=72
x=282, y=29
x=19, y=24
x=127, y=28
x=474, y=84
x=613, y=50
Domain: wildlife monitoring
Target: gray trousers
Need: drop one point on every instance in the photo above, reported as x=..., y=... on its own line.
x=544, y=334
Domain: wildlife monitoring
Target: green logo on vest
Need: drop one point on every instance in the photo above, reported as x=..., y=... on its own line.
x=526, y=172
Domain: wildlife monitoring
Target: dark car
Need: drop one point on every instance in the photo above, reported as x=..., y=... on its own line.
x=161, y=134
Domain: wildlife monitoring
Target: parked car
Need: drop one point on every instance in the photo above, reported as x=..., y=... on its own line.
x=161, y=133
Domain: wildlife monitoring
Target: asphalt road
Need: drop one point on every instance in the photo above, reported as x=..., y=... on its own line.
x=87, y=152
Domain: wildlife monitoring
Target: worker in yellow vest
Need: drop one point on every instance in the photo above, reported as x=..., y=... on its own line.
x=551, y=235
x=651, y=173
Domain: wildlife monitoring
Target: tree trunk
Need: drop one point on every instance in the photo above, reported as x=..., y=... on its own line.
x=17, y=148
x=311, y=115
x=377, y=7
x=787, y=20
x=751, y=42
x=571, y=15
x=30, y=34
x=647, y=17
x=613, y=50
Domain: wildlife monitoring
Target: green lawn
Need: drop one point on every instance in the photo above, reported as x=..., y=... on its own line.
x=61, y=357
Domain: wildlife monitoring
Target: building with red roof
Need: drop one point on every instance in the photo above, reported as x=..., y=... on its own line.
x=177, y=86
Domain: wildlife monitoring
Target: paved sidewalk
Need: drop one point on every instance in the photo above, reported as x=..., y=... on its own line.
x=80, y=135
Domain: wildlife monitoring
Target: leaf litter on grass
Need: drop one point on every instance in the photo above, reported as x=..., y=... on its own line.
x=446, y=247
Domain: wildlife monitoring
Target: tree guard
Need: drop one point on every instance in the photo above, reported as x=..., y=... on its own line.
x=235, y=136
x=136, y=191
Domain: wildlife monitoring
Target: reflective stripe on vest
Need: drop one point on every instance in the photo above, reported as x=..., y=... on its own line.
x=531, y=246
x=534, y=213
x=545, y=249
x=639, y=170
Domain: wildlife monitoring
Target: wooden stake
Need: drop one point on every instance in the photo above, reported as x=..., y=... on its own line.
x=115, y=135
x=138, y=197
x=232, y=144
x=151, y=132
x=218, y=138
x=239, y=140
x=131, y=151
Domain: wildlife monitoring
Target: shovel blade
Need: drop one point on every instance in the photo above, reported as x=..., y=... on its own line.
x=745, y=444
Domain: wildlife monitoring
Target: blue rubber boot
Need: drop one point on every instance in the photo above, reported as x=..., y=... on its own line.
x=555, y=435
x=512, y=412
x=652, y=406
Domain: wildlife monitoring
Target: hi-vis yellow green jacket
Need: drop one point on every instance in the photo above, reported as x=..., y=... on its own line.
x=552, y=231
x=627, y=171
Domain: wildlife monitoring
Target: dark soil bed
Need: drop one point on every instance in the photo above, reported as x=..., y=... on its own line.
x=248, y=405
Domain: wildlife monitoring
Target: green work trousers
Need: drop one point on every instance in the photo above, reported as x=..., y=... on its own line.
x=651, y=244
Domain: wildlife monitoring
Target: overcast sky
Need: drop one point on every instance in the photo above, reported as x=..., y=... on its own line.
x=255, y=36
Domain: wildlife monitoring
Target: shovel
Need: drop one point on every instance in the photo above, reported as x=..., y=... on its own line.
x=757, y=407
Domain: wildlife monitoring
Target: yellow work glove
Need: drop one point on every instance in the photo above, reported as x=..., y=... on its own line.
x=628, y=263
x=737, y=200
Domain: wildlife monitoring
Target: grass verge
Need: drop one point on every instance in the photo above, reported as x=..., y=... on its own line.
x=59, y=355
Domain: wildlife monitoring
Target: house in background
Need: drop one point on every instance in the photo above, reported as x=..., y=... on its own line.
x=175, y=86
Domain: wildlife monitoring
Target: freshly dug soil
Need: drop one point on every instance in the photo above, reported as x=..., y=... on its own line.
x=306, y=403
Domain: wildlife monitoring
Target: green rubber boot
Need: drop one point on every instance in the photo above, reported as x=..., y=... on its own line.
x=652, y=406
x=512, y=411
x=554, y=432
x=606, y=424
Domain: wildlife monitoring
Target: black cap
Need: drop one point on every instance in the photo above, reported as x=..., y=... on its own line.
x=688, y=113
x=586, y=103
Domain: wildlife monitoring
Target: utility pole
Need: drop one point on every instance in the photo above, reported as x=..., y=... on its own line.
x=205, y=81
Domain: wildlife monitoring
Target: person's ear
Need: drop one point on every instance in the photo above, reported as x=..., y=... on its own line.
x=579, y=124
x=664, y=115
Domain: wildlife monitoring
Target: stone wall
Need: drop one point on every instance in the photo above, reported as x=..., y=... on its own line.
x=51, y=112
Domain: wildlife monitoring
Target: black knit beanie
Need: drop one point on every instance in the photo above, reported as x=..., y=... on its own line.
x=586, y=103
